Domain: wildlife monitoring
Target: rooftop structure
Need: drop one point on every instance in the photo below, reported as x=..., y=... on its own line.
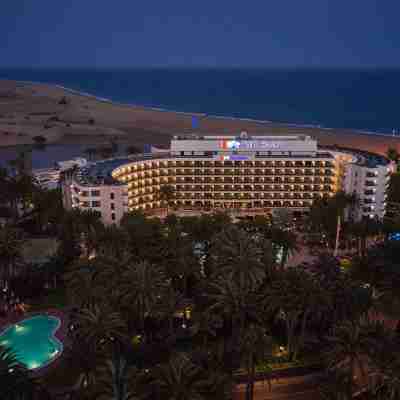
x=244, y=145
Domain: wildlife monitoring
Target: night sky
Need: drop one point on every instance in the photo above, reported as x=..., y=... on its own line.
x=216, y=33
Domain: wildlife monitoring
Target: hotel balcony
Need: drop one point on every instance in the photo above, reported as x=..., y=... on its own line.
x=369, y=201
x=370, y=183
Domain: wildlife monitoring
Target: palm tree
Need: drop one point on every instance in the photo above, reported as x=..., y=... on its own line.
x=179, y=379
x=25, y=187
x=166, y=195
x=255, y=345
x=392, y=154
x=340, y=201
x=394, y=188
x=350, y=350
x=178, y=258
x=85, y=285
x=116, y=379
x=90, y=225
x=200, y=230
x=100, y=326
x=11, y=243
x=238, y=306
x=8, y=192
x=364, y=229
x=293, y=297
x=236, y=255
x=47, y=207
x=206, y=324
x=15, y=381
x=69, y=237
x=145, y=236
x=171, y=302
x=321, y=220
x=386, y=369
x=219, y=383
x=112, y=242
x=142, y=285
x=379, y=269
x=83, y=359
x=16, y=190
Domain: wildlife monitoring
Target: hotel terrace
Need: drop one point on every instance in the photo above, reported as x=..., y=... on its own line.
x=252, y=174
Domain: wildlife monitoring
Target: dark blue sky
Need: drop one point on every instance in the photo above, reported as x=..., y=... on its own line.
x=269, y=33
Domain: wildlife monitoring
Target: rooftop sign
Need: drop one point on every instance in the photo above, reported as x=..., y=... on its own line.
x=248, y=144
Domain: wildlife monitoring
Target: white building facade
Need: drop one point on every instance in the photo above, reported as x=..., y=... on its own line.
x=367, y=176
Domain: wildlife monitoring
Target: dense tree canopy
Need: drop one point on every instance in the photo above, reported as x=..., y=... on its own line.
x=177, y=308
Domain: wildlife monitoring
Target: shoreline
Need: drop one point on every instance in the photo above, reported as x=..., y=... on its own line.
x=205, y=115
x=28, y=109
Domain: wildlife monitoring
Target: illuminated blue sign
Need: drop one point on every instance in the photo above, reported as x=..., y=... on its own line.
x=235, y=157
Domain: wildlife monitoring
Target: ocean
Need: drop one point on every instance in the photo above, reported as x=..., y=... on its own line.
x=363, y=99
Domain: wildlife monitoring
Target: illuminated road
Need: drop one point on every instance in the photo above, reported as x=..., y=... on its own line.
x=296, y=388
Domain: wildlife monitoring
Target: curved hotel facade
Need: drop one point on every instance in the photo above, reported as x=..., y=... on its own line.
x=255, y=174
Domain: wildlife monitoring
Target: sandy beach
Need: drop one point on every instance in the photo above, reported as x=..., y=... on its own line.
x=30, y=109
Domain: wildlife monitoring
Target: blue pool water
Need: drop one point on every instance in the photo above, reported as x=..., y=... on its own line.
x=32, y=340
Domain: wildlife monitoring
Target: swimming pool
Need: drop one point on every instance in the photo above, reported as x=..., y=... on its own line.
x=32, y=340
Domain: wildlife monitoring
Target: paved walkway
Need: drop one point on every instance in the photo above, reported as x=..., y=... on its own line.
x=297, y=388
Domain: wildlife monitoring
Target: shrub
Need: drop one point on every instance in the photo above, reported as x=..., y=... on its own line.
x=63, y=101
x=39, y=139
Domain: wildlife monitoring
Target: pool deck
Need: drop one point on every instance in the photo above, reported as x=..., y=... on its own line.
x=60, y=333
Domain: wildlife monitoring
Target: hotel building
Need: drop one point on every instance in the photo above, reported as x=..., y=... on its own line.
x=254, y=174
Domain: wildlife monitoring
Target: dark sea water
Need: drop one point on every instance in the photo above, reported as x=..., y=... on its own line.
x=338, y=98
